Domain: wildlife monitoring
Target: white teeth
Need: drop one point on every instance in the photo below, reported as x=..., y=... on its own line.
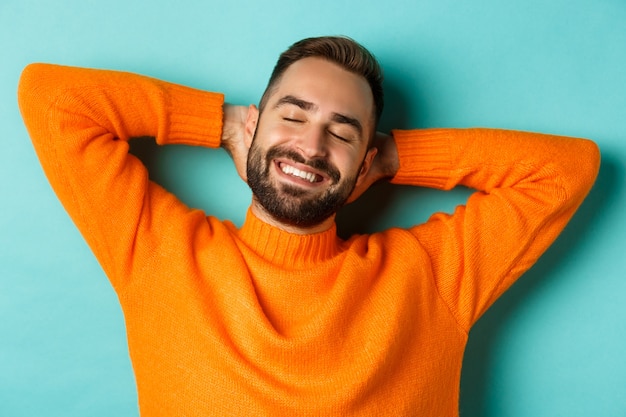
x=288, y=169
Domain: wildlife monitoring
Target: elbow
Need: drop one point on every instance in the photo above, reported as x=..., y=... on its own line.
x=583, y=168
x=41, y=83
x=591, y=157
x=29, y=89
x=29, y=78
x=39, y=88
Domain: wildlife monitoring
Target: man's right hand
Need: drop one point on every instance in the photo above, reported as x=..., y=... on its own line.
x=233, y=140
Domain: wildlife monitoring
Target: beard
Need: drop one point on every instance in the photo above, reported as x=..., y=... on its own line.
x=290, y=204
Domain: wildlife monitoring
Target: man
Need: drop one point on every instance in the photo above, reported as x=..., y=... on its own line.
x=281, y=317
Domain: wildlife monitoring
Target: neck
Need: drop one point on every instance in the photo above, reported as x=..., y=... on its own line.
x=262, y=214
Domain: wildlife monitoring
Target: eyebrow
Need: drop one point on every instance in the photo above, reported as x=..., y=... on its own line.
x=303, y=104
x=309, y=106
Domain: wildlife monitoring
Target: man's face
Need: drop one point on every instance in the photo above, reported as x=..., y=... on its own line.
x=310, y=144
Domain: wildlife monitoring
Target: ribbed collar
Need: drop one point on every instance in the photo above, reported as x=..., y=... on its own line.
x=288, y=249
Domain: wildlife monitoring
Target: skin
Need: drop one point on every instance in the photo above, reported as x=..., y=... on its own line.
x=318, y=111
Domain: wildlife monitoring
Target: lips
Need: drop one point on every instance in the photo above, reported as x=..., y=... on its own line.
x=303, y=174
x=293, y=166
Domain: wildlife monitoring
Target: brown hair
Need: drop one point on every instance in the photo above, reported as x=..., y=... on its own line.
x=340, y=50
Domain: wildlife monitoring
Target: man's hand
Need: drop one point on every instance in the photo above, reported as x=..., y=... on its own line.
x=233, y=136
x=384, y=165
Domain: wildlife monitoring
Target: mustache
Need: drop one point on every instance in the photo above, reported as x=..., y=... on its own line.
x=320, y=164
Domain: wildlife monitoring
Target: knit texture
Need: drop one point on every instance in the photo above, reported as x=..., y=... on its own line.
x=255, y=321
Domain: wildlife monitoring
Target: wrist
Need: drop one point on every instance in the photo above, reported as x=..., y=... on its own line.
x=387, y=154
x=233, y=118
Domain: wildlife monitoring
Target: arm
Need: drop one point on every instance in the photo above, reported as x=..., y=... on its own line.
x=80, y=121
x=528, y=187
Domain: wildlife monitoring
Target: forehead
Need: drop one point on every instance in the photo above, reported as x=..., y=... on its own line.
x=327, y=85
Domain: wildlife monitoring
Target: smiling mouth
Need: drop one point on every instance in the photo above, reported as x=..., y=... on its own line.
x=298, y=173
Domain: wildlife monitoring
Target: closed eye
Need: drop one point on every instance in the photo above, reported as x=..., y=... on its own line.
x=289, y=119
x=341, y=138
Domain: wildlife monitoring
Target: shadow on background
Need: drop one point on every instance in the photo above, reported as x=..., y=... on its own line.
x=149, y=152
x=484, y=335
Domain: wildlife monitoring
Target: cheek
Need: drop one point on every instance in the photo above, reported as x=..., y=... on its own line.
x=349, y=163
x=272, y=135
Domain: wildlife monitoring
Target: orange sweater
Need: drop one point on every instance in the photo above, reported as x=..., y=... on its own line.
x=258, y=322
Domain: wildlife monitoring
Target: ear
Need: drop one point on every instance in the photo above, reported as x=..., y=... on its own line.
x=251, y=123
x=367, y=164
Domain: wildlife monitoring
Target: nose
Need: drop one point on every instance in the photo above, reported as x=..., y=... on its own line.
x=312, y=143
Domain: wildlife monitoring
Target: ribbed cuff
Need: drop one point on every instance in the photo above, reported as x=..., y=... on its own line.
x=196, y=117
x=424, y=157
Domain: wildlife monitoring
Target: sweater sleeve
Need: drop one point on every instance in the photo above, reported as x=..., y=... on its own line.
x=80, y=121
x=528, y=187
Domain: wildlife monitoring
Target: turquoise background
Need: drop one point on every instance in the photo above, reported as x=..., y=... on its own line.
x=554, y=345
